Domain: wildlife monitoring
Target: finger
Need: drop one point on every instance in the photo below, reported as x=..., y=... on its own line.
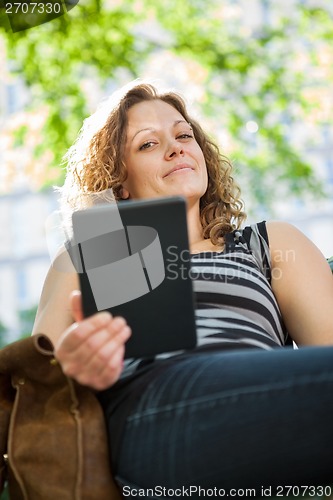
x=105, y=352
x=105, y=363
x=89, y=355
x=77, y=333
x=76, y=305
x=111, y=332
x=109, y=372
x=94, y=354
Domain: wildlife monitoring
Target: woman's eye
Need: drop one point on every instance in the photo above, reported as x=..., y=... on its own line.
x=185, y=136
x=146, y=145
x=149, y=144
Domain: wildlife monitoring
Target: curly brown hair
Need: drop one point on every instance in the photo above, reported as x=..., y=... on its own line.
x=96, y=165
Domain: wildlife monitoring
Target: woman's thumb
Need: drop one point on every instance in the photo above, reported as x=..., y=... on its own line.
x=76, y=305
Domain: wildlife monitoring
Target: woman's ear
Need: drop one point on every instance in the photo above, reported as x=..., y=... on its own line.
x=124, y=194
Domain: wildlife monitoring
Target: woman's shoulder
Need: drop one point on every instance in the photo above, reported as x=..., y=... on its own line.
x=281, y=228
x=285, y=236
x=273, y=242
x=273, y=232
x=302, y=284
x=290, y=246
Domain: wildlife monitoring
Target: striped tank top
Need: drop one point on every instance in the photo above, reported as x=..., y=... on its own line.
x=234, y=303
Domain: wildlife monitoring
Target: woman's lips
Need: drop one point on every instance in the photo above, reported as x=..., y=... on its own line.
x=179, y=169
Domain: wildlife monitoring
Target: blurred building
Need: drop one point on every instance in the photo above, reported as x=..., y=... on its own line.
x=24, y=257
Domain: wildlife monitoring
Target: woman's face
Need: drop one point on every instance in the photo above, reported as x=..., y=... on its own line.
x=161, y=154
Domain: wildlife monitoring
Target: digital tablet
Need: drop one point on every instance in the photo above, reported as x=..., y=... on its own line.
x=133, y=260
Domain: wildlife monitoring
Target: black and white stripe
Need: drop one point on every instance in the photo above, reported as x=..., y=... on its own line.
x=235, y=304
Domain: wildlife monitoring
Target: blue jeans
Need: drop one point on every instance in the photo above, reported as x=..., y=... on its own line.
x=233, y=419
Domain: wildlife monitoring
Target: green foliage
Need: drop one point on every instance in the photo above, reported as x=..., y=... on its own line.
x=26, y=321
x=256, y=78
x=3, y=331
x=54, y=57
x=251, y=74
x=330, y=261
x=5, y=494
x=27, y=318
x=20, y=135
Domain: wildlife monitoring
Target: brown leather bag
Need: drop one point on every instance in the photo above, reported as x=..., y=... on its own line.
x=53, y=439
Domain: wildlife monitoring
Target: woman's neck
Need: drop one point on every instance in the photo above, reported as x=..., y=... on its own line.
x=195, y=232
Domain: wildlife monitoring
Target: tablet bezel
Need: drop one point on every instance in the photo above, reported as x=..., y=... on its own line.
x=168, y=309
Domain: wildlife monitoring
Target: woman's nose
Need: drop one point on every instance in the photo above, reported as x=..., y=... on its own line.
x=175, y=149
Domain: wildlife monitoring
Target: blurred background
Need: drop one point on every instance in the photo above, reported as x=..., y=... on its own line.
x=258, y=74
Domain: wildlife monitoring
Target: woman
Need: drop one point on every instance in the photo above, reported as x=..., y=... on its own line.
x=239, y=411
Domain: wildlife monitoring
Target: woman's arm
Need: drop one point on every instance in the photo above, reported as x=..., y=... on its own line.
x=54, y=313
x=91, y=350
x=303, y=285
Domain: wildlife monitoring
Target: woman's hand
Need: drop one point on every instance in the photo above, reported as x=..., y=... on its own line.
x=92, y=349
